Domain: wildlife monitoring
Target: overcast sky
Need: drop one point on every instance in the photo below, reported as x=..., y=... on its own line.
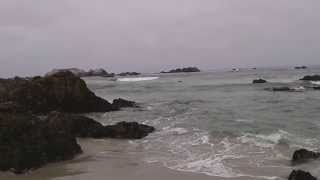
x=154, y=35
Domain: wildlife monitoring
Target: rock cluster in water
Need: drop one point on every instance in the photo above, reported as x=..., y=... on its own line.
x=28, y=142
x=183, y=70
x=129, y=74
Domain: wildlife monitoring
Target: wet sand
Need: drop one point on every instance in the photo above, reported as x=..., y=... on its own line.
x=103, y=160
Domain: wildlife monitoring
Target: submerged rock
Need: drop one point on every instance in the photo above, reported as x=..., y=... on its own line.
x=27, y=143
x=62, y=91
x=81, y=126
x=311, y=78
x=281, y=89
x=256, y=81
x=301, y=175
x=122, y=103
x=303, y=155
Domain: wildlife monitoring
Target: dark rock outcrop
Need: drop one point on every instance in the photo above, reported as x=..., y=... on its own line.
x=257, y=81
x=316, y=88
x=61, y=92
x=85, y=127
x=98, y=72
x=122, y=103
x=183, y=70
x=79, y=126
x=129, y=74
x=82, y=73
x=301, y=175
x=128, y=130
x=311, y=78
x=303, y=155
x=289, y=89
x=27, y=143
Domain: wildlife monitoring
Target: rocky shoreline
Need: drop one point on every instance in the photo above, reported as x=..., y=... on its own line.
x=29, y=142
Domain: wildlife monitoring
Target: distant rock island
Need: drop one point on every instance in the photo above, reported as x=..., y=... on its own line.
x=183, y=70
x=129, y=74
x=82, y=73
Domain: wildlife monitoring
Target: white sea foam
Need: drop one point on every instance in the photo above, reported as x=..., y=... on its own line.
x=193, y=151
x=136, y=79
x=244, y=120
x=176, y=131
x=315, y=82
x=265, y=141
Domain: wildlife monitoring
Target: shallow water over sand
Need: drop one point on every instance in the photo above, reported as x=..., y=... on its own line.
x=213, y=125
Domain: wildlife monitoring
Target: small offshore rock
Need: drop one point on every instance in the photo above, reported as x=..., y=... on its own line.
x=311, y=78
x=301, y=175
x=256, y=81
x=303, y=155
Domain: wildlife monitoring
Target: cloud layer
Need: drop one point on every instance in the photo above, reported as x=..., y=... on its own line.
x=152, y=35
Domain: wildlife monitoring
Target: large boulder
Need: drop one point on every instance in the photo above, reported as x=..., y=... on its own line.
x=311, y=78
x=62, y=91
x=27, y=143
x=81, y=126
x=301, y=175
x=303, y=155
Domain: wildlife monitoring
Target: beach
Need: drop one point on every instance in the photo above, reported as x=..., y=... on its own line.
x=210, y=125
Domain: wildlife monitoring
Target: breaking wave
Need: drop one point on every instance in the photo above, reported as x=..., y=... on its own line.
x=136, y=79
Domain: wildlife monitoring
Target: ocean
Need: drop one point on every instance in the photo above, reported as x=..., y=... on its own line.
x=209, y=125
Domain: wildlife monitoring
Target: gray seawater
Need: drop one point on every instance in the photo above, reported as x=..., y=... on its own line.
x=218, y=123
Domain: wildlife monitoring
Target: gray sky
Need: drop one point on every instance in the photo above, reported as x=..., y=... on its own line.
x=154, y=35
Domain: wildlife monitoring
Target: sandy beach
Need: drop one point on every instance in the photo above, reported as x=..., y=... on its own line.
x=96, y=164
